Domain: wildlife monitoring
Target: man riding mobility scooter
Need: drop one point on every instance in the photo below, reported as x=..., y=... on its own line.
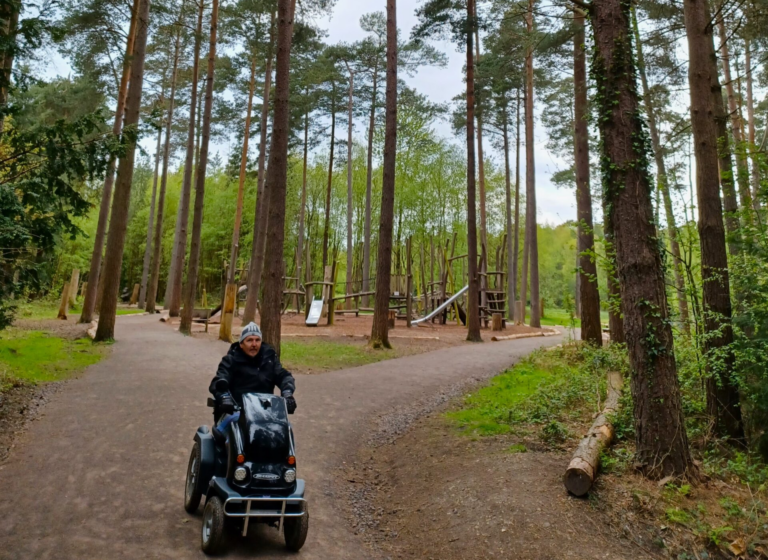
x=245, y=466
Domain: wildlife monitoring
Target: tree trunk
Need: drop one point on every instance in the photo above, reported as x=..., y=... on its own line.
x=89, y=302
x=173, y=291
x=302, y=209
x=755, y=175
x=369, y=189
x=662, y=181
x=511, y=276
x=190, y=292
x=8, y=36
x=349, y=188
x=742, y=167
x=379, y=329
x=589, y=297
x=119, y=215
x=261, y=216
x=481, y=183
x=151, y=221
x=473, y=295
x=277, y=180
x=157, y=256
x=722, y=392
x=661, y=439
x=327, y=225
x=516, y=249
x=530, y=179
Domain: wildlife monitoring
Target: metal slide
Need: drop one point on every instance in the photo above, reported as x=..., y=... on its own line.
x=440, y=309
x=315, y=310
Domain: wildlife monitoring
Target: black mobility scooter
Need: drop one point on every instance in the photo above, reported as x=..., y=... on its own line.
x=248, y=474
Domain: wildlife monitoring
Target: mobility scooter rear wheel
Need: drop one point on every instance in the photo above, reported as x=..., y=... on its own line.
x=212, y=537
x=192, y=494
x=295, y=530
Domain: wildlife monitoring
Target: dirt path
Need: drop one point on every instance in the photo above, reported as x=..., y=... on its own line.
x=101, y=473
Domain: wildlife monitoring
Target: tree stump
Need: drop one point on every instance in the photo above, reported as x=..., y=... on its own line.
x=582, y=470
x=391, y=317
x=519, y=311
x=74, y=282
x=64, y=302
x=496, y=323
x=227, y=313
x=135, y=295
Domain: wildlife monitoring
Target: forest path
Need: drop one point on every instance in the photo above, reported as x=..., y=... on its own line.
x=101, y=473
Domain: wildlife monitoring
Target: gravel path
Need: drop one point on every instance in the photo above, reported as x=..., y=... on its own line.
x=101, y=474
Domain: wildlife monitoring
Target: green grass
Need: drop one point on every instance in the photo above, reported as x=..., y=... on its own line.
x=317, y=355
x=42, y=309
x=131, y=311
x=486, y=412
x=37, y=356
x=560, y=317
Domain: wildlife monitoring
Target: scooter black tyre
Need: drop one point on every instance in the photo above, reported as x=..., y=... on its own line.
x=192, y=494
x=295, y=530
x=212, y=536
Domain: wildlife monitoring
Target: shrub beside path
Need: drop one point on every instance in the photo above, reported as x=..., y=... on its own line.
x=101, y=473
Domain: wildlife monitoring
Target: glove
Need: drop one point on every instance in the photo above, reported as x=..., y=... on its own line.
x=290, y=403
x=226, y=403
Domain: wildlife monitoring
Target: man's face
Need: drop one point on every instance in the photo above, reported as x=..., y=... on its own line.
x=251, y=345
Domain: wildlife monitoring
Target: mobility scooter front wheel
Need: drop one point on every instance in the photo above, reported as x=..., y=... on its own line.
x=295, y=529
x=212, y=537
x=192, y=494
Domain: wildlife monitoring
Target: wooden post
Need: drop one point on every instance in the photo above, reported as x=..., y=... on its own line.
x=519, y=310
x=391, y=317
x=496, y=321
x=227, y=312
x=332, y=293
x=74, y=281
x=326, y=289
x=207, y=318
x=408, y=284
x=64, y=302
x=135, y=294
x=205, y=299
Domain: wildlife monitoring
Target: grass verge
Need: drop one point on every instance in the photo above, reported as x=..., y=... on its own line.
x=314, y=356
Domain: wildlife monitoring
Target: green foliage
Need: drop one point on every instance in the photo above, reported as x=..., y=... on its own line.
x=547, y=387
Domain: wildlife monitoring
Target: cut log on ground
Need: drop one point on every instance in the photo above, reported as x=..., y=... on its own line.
x=582, y=470
x=544, y=332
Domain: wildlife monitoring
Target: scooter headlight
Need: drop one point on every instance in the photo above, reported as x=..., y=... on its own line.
x=240, y=474
x=290, y=476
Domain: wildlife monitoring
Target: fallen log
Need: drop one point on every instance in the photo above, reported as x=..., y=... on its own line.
x=545, y=332
x=582, y=469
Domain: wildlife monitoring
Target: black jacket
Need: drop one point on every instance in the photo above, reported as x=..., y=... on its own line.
x=238, y=373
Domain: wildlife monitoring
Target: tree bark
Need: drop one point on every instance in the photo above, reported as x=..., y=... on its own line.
x=661, y=439
x=327, y=225
x=589, y=297
x=755, y=175
x=511, y=275
x=151, y=221
x=173, y=291
x=348, y=289
x=277, y=178
x=742, y=167
x=662, y=181
x=369, y=189
x=89, y=301
x=302, y=208
x=154, y=278
x=119, y=215
x=190, y=292
x=261, y=216
x=530, y=179
x=722, y=392
x=473, y=295
x=10, y=19
x=516, y=248
x=379, y=329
